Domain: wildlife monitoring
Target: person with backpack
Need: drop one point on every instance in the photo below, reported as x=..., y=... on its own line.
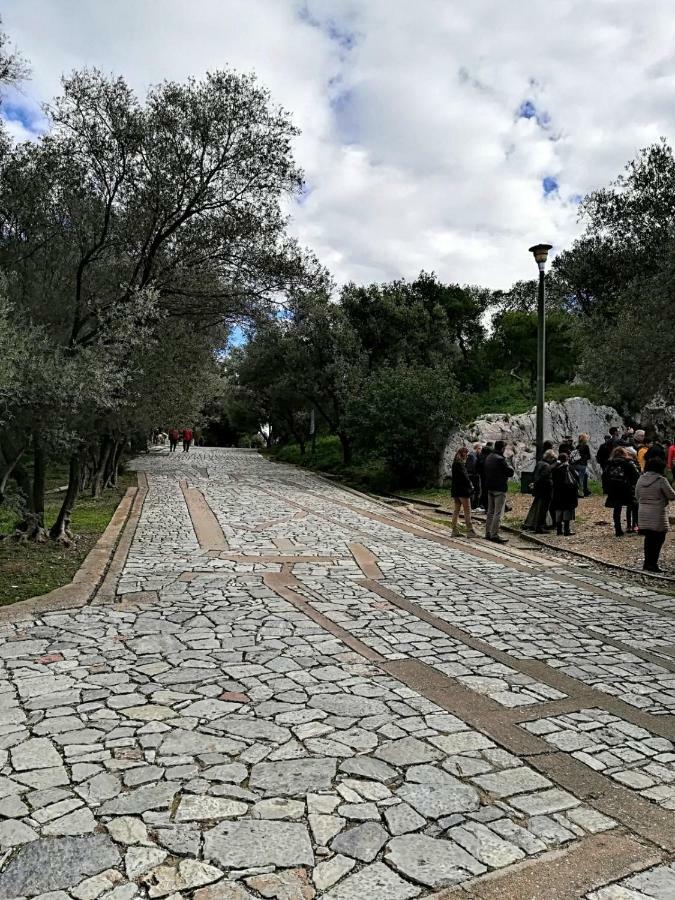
x=653, y=494
x=618, y=482
x=461, y=491
x=542, y=490
x=580, y=459
x=187, y=439
x=565, y=495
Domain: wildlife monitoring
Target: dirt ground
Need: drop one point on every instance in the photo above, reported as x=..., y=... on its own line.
x=595, y=534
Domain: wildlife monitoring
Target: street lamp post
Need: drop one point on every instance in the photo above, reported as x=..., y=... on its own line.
x=540, y=252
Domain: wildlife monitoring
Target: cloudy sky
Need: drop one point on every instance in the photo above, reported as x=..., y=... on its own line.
x=437, y=134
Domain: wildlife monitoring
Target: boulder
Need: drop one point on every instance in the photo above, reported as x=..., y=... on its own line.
x=572, y=416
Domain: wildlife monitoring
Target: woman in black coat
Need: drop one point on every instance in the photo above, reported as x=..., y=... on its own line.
x=542, y=489
x=461, y=490
x=618, y=482
x=565, y=495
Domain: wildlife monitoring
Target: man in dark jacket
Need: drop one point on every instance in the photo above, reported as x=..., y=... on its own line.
x=497, y=474
x=604, y=452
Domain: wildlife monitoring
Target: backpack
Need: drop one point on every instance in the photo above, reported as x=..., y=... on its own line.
x=569, y=479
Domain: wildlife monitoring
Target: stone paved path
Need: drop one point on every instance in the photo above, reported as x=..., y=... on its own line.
x=294, y=691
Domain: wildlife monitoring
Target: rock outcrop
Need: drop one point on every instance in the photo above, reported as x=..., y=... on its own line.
x=572, y=416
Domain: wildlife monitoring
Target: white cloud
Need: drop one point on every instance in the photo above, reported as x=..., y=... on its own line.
x=413, y=149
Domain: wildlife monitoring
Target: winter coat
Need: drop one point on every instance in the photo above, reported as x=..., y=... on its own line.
x=497, y=473
x=618, y=482
x=542, y=482
x=656, y=451
x=565, y=487
x=174, y=436
x=603, y=454
x=654, y=494
x=187, y=434
x=461, y=485
x=471, y=463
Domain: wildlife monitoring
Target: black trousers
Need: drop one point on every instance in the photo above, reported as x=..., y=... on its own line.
x=475, y=484
x=654, y=541
x=631, y=517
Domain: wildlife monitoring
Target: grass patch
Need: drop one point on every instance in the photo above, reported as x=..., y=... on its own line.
x=34, y=569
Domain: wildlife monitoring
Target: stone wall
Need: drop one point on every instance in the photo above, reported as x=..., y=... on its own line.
x=572, y=416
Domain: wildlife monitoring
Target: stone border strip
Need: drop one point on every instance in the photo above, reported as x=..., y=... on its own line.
x=366, y=561
x=207, y=528
x=592, y=862
x=87, y=578
x=639, y=815
x=540, y=671
x=282, y=584
x=108, y=587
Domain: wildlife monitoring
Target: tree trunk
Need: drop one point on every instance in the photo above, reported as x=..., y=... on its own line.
x=113, y=463
x=60, y=530
x=10, y=465
x=38, y=496
x=346, y=448
x=98, y=482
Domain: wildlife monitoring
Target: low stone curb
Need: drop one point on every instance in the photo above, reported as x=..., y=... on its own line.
x=88, y=577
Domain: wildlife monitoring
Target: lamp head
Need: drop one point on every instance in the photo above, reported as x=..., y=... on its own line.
x=540, y=252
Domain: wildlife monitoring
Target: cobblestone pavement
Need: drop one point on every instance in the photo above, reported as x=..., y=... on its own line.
x=296, y=691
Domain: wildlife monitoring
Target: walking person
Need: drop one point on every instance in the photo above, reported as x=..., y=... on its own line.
x=461, y=491
x=480, y=471
x=174, y=437
x=580, y=459
x=542, y=490
x=618, y=482
x=472, y=472
x=565, y=496
x=654, y=494
x=497, y=474
x=187, y=439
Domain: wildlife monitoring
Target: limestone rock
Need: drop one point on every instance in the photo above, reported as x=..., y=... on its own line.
x=247, y=843
x=57, y=863
x=435, y=863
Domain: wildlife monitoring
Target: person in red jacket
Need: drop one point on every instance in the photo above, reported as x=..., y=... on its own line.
x=187, y=439
x=671, y=458
x=174, y=437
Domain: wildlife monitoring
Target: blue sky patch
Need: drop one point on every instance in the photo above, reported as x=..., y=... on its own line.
x=528, y=110
x=549, y=185
x=14, y=109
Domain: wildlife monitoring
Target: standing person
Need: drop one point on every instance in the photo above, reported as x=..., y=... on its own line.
x=565, y=496
x=656, y=451
x=480, y=470
x=618, y=482
x=654, y=494
x=641, y=448
x=542, y=489
x=174, y=437
x=461, y=491
x=566, y=446
x=580, y=459
x=474, y=477
x=604, y=452
x=187, y=439
x=671, y=459
x=497, y=474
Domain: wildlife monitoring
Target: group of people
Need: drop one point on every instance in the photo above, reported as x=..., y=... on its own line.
x=186, y=435
x=633, y=478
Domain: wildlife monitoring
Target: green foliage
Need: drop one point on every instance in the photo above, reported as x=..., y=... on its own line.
x=365, y=471
x=513, y=345
x=405, y=414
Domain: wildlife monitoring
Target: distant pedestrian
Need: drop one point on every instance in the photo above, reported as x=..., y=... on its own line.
x=565, y=497
x=497, y=474
x=641, y=447
x=542, y=490
x=654, y=494
x=480, y=470
x=474, y=476
x=580, y=459
x=174, y=437
x=461, y=491
x=187, y=439
x=618, y=482
x=604, y=452
x=566, y=446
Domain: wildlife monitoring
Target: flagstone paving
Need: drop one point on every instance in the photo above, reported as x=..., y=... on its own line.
x=298, y=692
